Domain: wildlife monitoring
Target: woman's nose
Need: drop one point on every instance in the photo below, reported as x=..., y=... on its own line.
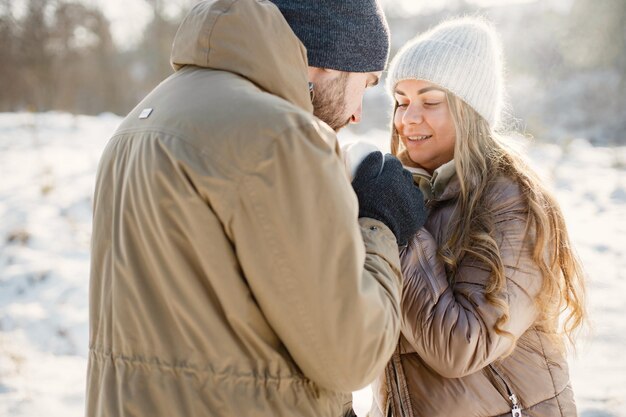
x=412, y=115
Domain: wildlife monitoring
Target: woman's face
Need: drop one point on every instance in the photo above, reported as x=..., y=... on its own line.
x=424, y=123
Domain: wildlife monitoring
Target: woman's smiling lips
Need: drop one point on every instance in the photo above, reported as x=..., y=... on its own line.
x=415, y=138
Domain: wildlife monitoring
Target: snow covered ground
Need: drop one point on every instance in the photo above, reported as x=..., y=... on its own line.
x=47, y=168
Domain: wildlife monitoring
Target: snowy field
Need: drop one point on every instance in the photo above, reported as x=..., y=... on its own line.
x=47, y=169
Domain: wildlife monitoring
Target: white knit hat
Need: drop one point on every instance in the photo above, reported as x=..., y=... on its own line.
x=461, y=55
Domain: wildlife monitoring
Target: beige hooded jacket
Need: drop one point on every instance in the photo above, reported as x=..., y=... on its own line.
x=450, y=361
x=230, y=274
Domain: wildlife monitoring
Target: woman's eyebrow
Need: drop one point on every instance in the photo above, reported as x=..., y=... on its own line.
x=422, y=91
x=427, y=89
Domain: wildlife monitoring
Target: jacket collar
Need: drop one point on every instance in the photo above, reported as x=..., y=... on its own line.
x=250, y=38
x=443, y=184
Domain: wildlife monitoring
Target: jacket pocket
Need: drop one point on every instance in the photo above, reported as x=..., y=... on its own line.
x=496, y=381
x=504, y=387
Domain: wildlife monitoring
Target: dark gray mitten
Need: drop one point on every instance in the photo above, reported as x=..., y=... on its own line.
x=389, y=195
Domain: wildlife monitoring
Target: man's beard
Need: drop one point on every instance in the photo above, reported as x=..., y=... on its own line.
x=329, y=102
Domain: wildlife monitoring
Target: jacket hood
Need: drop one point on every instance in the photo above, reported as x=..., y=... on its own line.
x=250, y=38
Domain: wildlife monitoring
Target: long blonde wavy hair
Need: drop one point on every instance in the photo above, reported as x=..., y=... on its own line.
x=480, y=157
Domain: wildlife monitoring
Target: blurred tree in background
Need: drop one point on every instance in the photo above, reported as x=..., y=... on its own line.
x=60, y=55
x=151, y=58
x=566, y=66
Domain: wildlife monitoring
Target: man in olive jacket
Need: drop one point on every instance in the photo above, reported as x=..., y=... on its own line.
x=231, y=274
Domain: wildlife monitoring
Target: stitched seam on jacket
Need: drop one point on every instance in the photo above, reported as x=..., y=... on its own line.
x=173, y=135
x=164, y=139
x=545, y=358
x=155, y=363
x=212, y=28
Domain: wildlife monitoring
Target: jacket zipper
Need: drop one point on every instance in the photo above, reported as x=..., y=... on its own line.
x=516, y=410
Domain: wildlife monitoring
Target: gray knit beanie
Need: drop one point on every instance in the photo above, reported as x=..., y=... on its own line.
x=350, y=36
x=461, y=55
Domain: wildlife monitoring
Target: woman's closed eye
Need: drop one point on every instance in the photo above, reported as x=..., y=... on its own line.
x=425, y=104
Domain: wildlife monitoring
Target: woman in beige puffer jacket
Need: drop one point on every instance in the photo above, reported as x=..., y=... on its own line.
x=489, y=274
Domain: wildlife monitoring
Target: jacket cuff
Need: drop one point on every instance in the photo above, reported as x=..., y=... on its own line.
x=380, y=241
